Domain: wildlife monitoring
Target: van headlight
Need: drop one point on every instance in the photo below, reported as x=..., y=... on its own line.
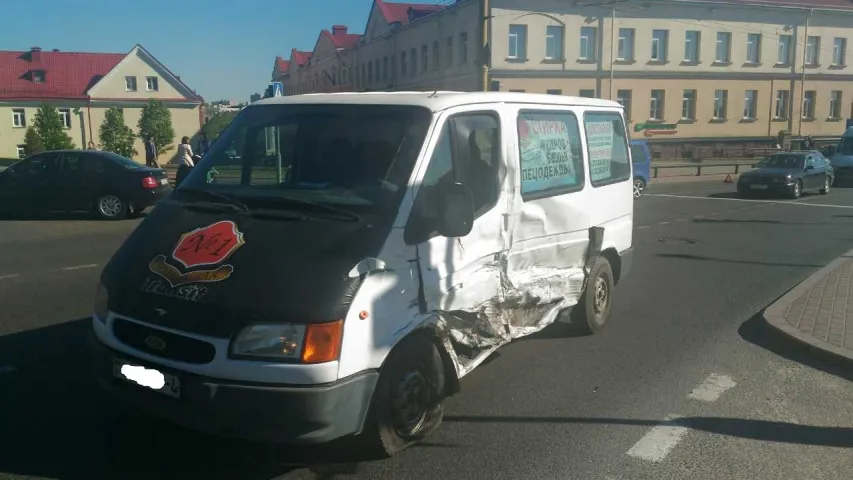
x=102, y=302
x=312, y=343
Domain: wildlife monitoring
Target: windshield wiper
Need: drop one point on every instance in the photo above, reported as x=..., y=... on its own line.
x=348, y=214
x=228, y=199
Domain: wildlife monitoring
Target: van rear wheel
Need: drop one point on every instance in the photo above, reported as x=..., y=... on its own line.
x=593, y=311
x=407, y=404
x=639, y=187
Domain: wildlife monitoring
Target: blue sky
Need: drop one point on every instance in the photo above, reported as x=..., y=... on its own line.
x=221, y=48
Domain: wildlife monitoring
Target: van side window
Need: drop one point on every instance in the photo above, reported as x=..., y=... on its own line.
x=467, y=152
x=607, y=143
x=550, y=154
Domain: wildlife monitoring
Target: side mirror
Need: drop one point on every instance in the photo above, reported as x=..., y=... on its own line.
x=455, y=210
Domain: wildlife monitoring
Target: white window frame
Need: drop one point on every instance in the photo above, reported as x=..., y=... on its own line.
x=38, y=76
x=688, y=104
x=657, y=104
x=835, y=103
x=555, y=38
x=660, y=45
x=783, y=97
x=21, y=151
x=750, y=104
x=587, y=43
x=19, y=118
x=812, y=50
x=625, y=101
x=65, y=115
x=130, y=84
x=148, y=82
x=783, y=52
x=839, y=51
x=808, y=107
x=724, y=39
x=721, y=104
x=625, y=49
x=519, y=39
x=689, y=48
x=753, y=48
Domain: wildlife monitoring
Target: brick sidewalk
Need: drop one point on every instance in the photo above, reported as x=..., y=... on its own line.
x=819, y=311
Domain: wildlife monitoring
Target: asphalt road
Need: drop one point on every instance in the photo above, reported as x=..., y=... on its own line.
x=686, y=343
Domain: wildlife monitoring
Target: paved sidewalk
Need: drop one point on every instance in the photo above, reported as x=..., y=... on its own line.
x=819, y=311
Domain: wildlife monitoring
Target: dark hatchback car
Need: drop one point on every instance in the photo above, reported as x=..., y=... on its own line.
x=110, y=185
x=789, y=174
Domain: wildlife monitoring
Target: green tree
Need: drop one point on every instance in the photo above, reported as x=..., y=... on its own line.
x=117, y=137
x=156, y=120
x=49, y=127
x=217, y=124
x=32, y=142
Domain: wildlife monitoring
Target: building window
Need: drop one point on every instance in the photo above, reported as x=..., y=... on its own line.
x=517, y=42
x=784, y=53
x=130, y=84
x=623, y=97
x=809, y=100
x=656, y=105
x=516, y=90
x=835, y=104
x=65, y=115
x=660, y=45
x=448, y=56
x=721, y=101
x=625, y=49
x=385, y=69
x=750, y=104
x=587, y=93
x=688, y=105
x=812, y=51
x=403, y=64
x=463, y=47
x=691, y=46
x=554, y=42
x=393, y=67
x=724, y=47
x=370, y=72
x=436, y=56
x=782, y=98
x=551, y=91
x=38, y=76
x=587, y=43
x=414, y=54
x=424, y=58
x=753, y=48
x=839, y=51
x=152, y=84
x=19, y=118
x=21, y=151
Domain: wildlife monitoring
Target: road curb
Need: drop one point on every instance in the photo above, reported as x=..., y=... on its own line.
x=775, y=314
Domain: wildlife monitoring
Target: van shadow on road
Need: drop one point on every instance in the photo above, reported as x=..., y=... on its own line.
x=57, y=423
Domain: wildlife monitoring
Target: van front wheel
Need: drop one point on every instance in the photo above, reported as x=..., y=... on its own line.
x=407, y=403
x=593, y=311
x=639, y=187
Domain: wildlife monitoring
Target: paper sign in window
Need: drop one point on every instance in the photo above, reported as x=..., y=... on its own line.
x=546, y=155
x=599, y=139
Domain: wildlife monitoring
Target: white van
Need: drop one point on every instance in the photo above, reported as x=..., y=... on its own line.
x=359, y=254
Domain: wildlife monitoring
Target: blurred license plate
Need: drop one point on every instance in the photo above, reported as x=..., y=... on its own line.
x=758, y=187
x=147, y=377
x=164, y=181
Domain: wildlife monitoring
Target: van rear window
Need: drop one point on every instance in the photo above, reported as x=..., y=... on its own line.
x=608, y=148
x=550, y=153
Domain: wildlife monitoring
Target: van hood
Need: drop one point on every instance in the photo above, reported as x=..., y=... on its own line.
x=214, y=273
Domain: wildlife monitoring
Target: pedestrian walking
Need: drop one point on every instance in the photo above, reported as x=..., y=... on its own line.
x=203, y=144
x=185, y=160
x=151, y=152
x=91, y=146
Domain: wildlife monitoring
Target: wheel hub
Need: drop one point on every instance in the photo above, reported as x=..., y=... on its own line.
x=110, y=205
x=410, y=403
x=602, y=295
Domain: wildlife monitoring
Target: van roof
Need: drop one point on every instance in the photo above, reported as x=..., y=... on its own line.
x=435, y=101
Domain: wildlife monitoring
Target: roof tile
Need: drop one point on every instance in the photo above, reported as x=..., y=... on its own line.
x=67, y=74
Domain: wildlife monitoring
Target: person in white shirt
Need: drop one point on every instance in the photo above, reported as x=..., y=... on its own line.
x=185, y=160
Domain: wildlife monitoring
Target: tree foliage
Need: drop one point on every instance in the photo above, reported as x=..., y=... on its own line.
x=32, y=142
x=49, y=127
x=117, y=137
x=156, y=120
x=217, y=124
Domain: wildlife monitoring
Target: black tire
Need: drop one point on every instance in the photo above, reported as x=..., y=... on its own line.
x=590, y=315
x=414, y=362
x=111, y=206
x=639, y=187
x=827, y=185
x=798, y=189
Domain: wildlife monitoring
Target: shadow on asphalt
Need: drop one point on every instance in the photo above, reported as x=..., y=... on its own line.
x=686, y=256
x=757, y=332
x=762, y=430
x=57, y=423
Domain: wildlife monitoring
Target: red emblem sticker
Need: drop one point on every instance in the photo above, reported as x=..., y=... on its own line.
x=210, y=245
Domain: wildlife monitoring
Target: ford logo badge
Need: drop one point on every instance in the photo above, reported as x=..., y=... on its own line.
x=155, y=343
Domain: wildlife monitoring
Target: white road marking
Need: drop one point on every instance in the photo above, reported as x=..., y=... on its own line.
x=656, y=445
x=778, y=202
x=643, y=226
x=11, y=275
x=6, y=369
x=663, y=223
x=79, y=267
x=712, y=388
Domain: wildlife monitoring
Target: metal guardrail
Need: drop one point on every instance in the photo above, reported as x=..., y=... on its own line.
x=699, y=167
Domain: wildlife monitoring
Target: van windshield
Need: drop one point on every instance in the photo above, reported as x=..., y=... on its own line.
x=638, y=154
x=845, y=146
x=355, y=156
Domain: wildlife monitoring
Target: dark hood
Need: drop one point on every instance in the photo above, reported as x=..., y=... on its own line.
x=285, y=271
x=772, y=172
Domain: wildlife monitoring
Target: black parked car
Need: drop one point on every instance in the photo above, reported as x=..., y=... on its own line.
x=82, y=180
x=789, y=173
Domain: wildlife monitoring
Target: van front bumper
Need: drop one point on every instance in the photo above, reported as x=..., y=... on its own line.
x=247, y=411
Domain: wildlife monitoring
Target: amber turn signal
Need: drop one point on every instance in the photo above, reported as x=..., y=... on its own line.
x=323, y=342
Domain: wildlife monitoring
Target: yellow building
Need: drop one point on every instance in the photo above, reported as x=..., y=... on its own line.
x=83, y=86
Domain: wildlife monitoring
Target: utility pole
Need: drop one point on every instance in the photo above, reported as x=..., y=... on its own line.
x=485, y=51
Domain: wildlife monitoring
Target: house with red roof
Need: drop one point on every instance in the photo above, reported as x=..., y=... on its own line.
x=83, y=86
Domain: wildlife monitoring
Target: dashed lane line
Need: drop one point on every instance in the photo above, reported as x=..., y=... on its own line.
x=79, y=267
x=712, y=388
x=11, y=275
x=656, y=445
x=63, y=269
